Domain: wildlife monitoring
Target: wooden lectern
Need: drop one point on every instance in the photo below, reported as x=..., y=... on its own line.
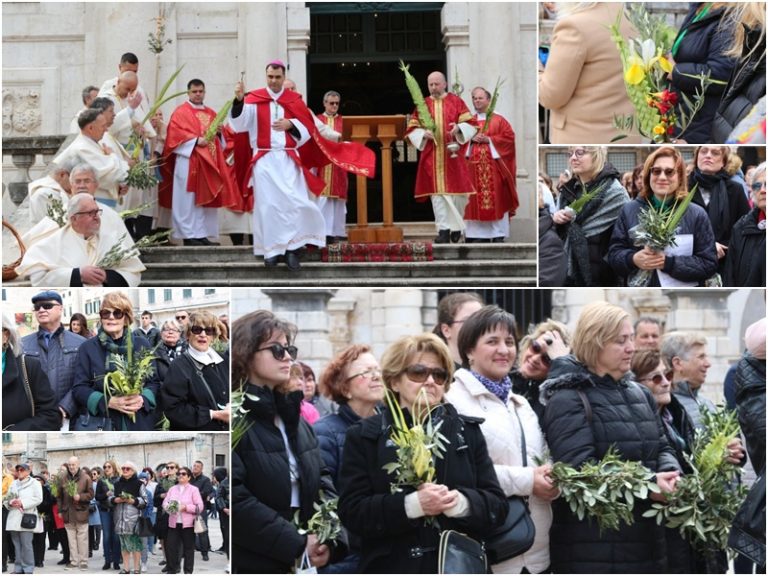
x=385, y=129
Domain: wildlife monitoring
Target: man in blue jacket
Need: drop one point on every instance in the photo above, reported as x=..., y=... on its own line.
x=56, y=349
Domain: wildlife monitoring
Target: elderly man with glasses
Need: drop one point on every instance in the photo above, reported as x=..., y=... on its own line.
x=75, y=254
x=56, y=349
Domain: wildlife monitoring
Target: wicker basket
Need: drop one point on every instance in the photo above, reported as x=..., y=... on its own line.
x=9, y=270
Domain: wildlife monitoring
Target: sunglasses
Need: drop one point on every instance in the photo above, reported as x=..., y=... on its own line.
x=656, y=379
x=183, y=474
x=756, y=187
x=278, y=351
x=116, y=314
x=419, y=373
x=48, y=305
x=171, y=467
x=124, y=468
x=668, y=172
x=181, y=317
x=369, y=374
x=209, y=331
x=537, y=349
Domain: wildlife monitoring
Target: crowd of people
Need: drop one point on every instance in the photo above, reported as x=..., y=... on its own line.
x=507, y=409
x=129, y=513
x=582, y=79
x=589, y=221
x=117, y=378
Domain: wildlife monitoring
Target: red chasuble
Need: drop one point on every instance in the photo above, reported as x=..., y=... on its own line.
x=494, y=179
x=316, y=152
x=238, y=149
x=209, y=179
x=335, y=178
x=438, y=173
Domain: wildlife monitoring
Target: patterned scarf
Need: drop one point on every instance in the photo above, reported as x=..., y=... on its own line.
x=499, y=389
x=112, y=348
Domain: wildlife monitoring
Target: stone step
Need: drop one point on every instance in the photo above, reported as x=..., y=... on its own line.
x=495, y=272
x=222, y=254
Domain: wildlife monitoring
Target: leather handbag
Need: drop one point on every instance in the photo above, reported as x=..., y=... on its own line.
x=88, y=423
x=747, y=534
x=460, y=554
x=199, y=525
x=28, y=521
x=144, y=528
x=517, y=533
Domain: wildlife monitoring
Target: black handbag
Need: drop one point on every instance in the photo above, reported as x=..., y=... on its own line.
x=516, y=535
x=460, y=554
x=144, y=528
x=28, y=521
x=88, y=423
x=747, y=534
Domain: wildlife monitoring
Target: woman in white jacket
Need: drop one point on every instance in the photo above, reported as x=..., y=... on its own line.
x=488, y=347
x=24, y=496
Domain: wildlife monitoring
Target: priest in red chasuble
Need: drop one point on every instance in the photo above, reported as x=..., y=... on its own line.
x=491, y=157
x=441, y=176
x=202, y=181
x=333, y=199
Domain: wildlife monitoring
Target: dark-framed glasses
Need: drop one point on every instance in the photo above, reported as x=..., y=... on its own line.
x=657, y=378
x=420, y=373
x=209, y=330
x=182, y=474
x=116, y=314
x=278, y=351
x=537, y=349
x=44, y=305
x=578, y=152
x=181, y=317
x=757, y=186
x=90, y=213
x=668, y=172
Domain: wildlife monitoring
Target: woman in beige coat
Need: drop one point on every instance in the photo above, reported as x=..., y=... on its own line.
x=482, y=388
x=583, y=82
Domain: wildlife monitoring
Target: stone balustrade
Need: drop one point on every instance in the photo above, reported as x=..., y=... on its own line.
x=25, y=152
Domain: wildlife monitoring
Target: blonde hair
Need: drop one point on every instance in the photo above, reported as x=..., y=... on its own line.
x=202, y=318
x=548, y=325
x=401, y=353
x=119, y=301
x=598, y=324
x=739, y=15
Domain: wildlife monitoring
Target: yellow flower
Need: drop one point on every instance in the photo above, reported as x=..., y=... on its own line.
x=659, y=129
x=636, y=71
x=665, y=64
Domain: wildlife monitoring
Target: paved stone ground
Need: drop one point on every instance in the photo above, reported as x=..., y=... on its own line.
x=218, y=563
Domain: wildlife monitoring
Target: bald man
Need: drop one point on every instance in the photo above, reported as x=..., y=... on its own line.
x=131, y=106
x=443, y=176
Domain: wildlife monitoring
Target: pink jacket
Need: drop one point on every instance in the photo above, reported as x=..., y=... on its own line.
x=190, y=498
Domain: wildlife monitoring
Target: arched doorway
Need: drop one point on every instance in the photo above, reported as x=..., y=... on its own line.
x=354, y=49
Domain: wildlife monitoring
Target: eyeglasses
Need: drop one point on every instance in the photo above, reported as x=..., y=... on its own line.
x=332, y=103
x=578, y=152
x=537, y=349
x=420, y=373
x=370, y=374
x=183, y=474
x=278, y=351
x=716, y=152
x=116, y=314
x=181, y=317
x=757, y=186
x=171, y=467
x=91, y=213
x=668, y=172
x=124, y=468
x=657, y=378
x=48, y=305
x=209, y=331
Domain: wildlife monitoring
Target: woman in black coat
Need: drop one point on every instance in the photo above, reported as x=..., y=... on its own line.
x=171, y=346
x=277, y=469
x=400, y=531
x=591, y=405
x=664, y=184
x=745, y=261
x=195, y=392
x=700, y=48
x=722, y=198
x=95, y=358
x=28, y=400
x=747, y=83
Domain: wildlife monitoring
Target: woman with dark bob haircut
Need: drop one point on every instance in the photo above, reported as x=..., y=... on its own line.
x=693, y=260
x=482, y=388
x=277, y=469
x=396, y=527
x=78, y=324
x=96, y=357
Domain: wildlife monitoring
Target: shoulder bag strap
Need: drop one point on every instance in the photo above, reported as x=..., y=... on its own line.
x=26, y=382
x=587, y=405
x=198, y=367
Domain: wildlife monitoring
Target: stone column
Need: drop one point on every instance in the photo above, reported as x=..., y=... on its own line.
x=395, y=313
x=297, y=40
x=307, y=309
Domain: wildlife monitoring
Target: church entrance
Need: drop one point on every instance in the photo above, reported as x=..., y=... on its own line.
x=354, y=49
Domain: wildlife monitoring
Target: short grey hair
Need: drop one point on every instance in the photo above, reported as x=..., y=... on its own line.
x=331, y=93
x=75, y=201
x=760, y=170
x=87, y=92
x=171, y=324
x=83, y=167
x=13, y=335
x=680, y=344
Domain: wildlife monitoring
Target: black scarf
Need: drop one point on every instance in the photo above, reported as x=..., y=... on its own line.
x=719, y=209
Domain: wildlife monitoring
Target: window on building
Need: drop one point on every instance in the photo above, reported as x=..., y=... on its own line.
x=167, y=295
x=220, y=459
x=186, y=293
x=210, y=291
x=151, y=296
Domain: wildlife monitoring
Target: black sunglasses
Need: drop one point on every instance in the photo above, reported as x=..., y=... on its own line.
x=668, y=172
x=182, y=474
x=116, y=314
x=44, y=305
x=537, y=349
x=419, y=373
x=209, y=331
x=278, y=351
x=181, y=317
x=656, y=378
